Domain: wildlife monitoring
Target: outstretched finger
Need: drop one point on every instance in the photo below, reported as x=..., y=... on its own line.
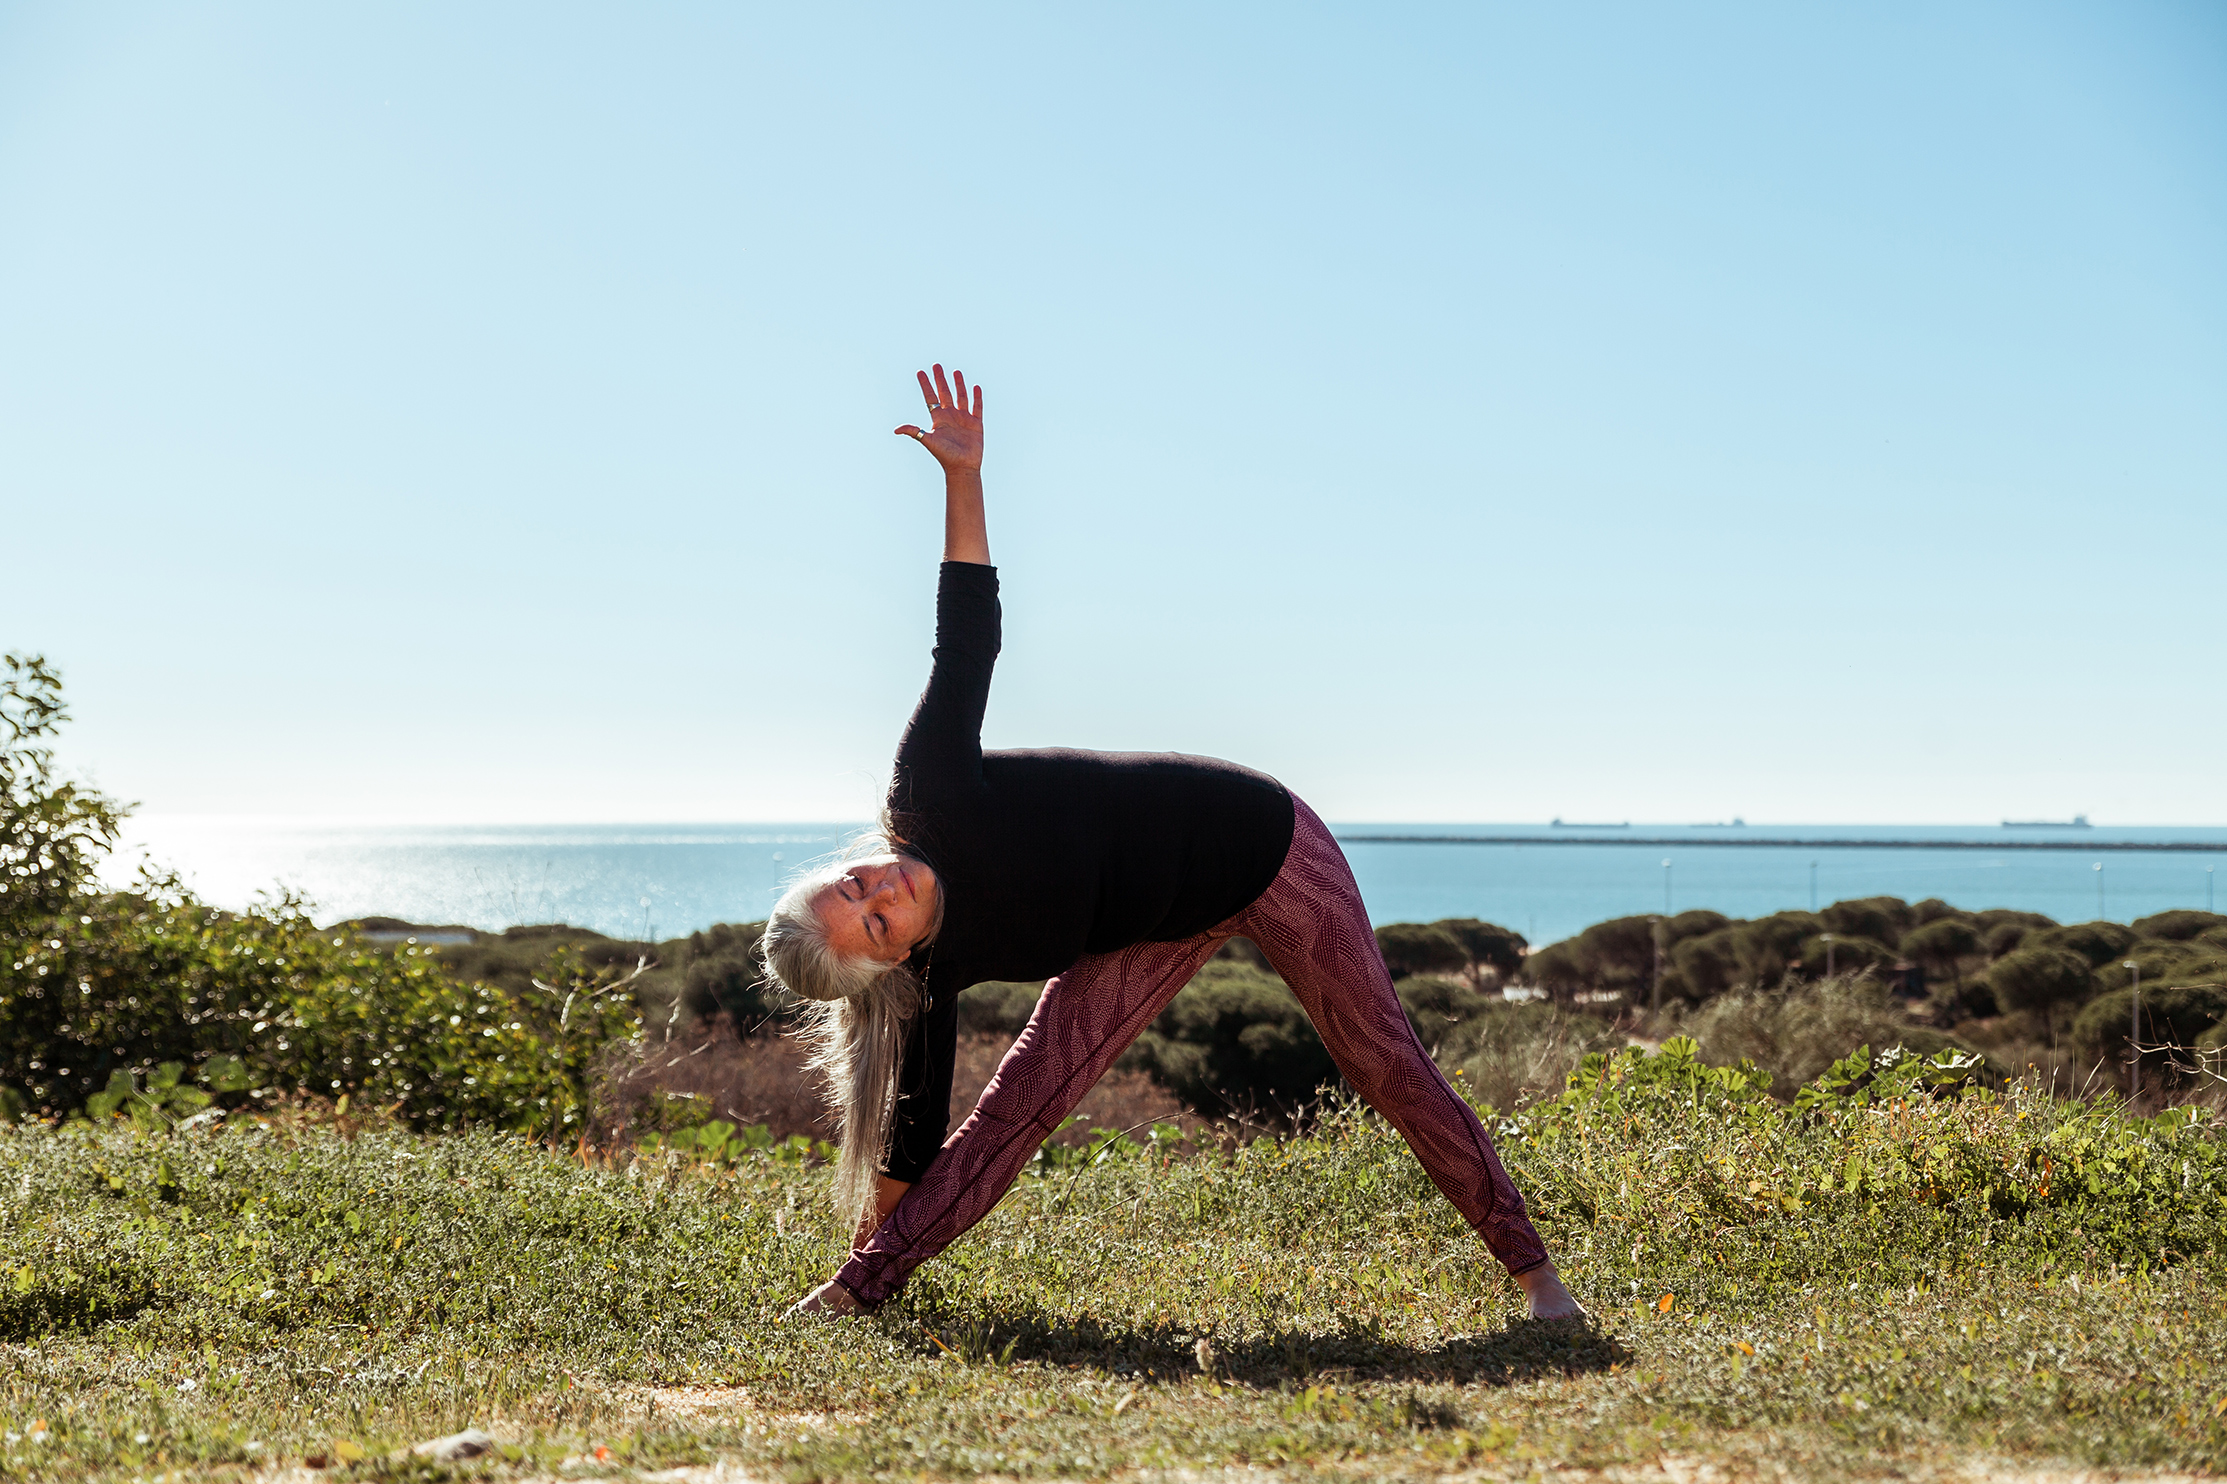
x=943, y=390
x=959, y=387
x=927, y=392
x=978, y=399
x=909, y=431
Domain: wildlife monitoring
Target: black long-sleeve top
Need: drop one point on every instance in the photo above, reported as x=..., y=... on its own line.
x=1044, y=855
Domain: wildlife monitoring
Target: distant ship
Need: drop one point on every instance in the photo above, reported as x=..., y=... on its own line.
x=1566, y=824
x=1734, y=823
x=2077, y=822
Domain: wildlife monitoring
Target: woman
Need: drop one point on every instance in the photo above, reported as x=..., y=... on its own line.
x=1113, y=876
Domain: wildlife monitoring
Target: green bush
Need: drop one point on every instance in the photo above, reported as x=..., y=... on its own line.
x=2097, y=942
x=2162, y=961
x=2039, y=981
x=1616, y=957
x=1709, y=965
x=2174, y=1015
x=1942, y=945
x=997, y=1008
x=1881, y=919
x=52, y=834
x=1416, y=948
x=1488, y=944
x=1505, y=1052
x=2179, y=925
x=1796, y=1033
x=1844, y=955
x=2005, y=930
x=721, y=975
x=2006, y=938
x=130, y=981
x=1235, y=1039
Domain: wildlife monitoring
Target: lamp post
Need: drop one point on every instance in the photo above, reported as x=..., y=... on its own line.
x=2134, y=1036
x=2208, y=889
x=1666, y=888
x=2099, y=891
x=1655, y=997
x=1813, y=886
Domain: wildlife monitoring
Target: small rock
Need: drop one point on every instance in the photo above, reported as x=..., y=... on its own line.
x=470, y=1443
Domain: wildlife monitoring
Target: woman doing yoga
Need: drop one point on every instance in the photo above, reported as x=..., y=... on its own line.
x=1110, y=875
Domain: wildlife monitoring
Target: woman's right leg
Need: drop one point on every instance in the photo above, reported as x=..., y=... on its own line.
x=1086, y=1018
x=1311, y=925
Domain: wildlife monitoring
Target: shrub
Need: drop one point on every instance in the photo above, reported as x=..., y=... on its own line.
x=1437, y=1006
x=1510, y=1051
x=721, y=975
x=1770, y=945
x=1881, y=919
x=1709, y=965
x=2004, y=930
x=2163, y=961
x=1844, y=955
x=52, y=834
x=2097, y=942
x=2174, y=1015
x=1617, y=956
x=1413, y=948
x=2005, y=938
x=265, y=1000
x=997, y=1008
x=1489, y=945
x=1796, y=1034
x=1993, y=917
x=2179, y=925
x=2038, y=980
x=1933, y=909
x=1234, y=1039
x=1942, y=945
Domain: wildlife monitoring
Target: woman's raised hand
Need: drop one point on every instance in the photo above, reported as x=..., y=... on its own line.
x=955, y=432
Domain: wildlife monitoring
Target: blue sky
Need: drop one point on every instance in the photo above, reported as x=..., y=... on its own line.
x=1464, y=413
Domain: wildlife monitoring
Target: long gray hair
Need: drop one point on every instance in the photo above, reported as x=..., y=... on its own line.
x=854, y=1015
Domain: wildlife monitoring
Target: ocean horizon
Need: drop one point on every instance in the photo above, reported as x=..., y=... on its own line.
x=656, y=881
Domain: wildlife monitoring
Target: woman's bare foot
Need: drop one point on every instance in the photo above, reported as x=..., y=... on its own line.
x=1542, y=1286
x=831, y=1299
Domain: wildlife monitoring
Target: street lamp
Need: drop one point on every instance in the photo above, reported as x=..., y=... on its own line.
x=1813, y=886
x=1655, y=997
x=1666, y=888
x=2134, y=1036
x=2208, y=889
x=2099, y=891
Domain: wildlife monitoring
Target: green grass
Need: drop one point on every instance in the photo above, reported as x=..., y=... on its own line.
x=1854, y=1289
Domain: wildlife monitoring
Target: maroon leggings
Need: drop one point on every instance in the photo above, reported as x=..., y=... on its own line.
x=1311, y=926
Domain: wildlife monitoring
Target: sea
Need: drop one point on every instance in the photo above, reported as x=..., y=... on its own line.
x=657, y=881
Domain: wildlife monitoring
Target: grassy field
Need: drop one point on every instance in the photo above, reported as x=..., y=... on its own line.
x=1865, y=1285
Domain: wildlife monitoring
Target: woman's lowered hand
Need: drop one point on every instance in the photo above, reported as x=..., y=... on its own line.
x=955, y=432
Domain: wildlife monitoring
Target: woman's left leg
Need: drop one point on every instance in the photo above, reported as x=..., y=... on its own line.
x=1085, y=1019
x=1311, y=925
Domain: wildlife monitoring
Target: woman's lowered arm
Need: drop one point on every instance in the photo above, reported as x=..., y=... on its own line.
x=955, y=438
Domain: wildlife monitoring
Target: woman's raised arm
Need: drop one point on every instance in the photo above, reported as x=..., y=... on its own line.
x=955, y=438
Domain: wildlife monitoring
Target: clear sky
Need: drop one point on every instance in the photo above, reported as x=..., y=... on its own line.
x=1464, y=413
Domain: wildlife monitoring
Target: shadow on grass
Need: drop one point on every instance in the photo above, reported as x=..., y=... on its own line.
x=1526, y=1350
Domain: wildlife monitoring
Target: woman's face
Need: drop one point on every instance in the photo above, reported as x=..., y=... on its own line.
x=880, y=907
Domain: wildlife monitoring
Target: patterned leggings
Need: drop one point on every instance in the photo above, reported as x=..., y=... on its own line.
x=1311, y=926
